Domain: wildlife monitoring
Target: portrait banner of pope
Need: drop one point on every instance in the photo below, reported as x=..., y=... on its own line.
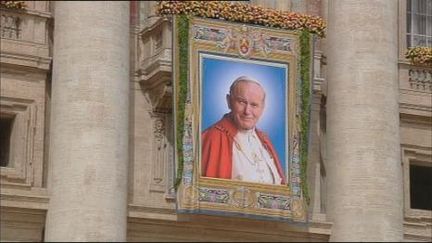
x=243, y=119
x=237, y=120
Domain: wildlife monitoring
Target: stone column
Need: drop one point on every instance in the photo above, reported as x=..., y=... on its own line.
x=89, y=123
x=364, y=198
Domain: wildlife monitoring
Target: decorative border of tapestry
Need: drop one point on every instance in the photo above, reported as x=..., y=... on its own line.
x=208, y=56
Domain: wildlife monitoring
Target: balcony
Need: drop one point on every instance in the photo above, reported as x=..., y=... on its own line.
x=25, y=35
x=155, y=65
x=415, y=85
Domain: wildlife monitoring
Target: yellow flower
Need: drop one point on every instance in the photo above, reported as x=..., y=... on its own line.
x=244, y=13
x=420, y=55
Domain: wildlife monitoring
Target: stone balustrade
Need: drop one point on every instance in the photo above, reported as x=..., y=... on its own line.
x=10, y=26
x=25, y=37
x=420, y=78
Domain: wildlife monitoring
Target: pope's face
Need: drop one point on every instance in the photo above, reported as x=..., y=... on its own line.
x=246, y=104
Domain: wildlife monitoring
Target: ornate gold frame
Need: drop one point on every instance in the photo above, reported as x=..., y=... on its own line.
x=198, y=194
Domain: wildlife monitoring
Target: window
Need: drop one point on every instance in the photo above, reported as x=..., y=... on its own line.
x=419, y=23
x=421, y=187
x=6, y=124
x=21, y=143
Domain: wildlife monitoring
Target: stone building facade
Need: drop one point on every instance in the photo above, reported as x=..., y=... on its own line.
x=87, y=126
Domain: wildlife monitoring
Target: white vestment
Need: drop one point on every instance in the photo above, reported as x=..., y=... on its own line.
x=251, y=161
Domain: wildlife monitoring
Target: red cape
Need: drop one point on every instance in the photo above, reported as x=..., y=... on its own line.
x=217, y=142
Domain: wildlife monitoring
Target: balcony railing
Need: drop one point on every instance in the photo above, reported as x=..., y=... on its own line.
x=10, y=26
x=25, y=38
x=420, y=78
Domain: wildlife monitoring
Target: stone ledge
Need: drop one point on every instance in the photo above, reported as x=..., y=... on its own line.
x=137, y=211
x=153, y=66
x=29, y=11
x=26, y=60
x=412, y=237
x=421, y=231
x=19, y=224
x=146, y=215
x=415, y=109
x=216, y=228
x=23, y=196
x=319, y=224
x=153, y=24
x=39, y=13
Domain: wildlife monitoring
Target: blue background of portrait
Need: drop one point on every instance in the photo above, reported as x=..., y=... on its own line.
x=218, y=73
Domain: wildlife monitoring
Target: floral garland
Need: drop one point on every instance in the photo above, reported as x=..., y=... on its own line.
x=245, y=13
x=183, y=36
x=13, y=4
x=305, y=62
x=420, y=55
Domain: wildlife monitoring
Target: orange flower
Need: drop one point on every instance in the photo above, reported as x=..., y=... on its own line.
x=245, y=13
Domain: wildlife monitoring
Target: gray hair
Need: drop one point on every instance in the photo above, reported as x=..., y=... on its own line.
x=247, y=80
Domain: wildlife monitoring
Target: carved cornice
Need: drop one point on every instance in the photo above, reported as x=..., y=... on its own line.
x=26, y=60
x=153, y=25
x=415, y=109
x=23, y=196
x=320, y=227
x=417, y=152
x=138, y=212
x=418, y=227
x=425, y=121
